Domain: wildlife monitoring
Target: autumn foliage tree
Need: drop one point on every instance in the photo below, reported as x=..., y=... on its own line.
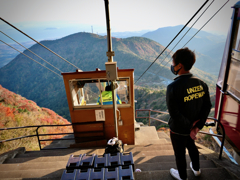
x=17, y=111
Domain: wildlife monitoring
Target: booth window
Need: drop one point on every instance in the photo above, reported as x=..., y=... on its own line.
x=88, y=93
x=234, y=73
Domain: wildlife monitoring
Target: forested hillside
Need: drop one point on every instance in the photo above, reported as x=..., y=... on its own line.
x=17, y=111
x=88, y=52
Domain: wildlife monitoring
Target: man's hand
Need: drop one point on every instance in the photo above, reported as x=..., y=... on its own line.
x=194, y=130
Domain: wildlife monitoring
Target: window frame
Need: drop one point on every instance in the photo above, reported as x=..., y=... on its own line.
x=99, y=82
x=231, y=89
x=235, y=58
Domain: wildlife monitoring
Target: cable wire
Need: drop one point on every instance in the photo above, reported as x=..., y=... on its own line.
x=172, y=40
x=200, y=29
x=30, y=57
x=184, y=36
x=205, y=23
x=30, y=51
x=37, y=42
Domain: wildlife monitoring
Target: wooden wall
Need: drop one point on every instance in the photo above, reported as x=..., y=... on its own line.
x=126, y=131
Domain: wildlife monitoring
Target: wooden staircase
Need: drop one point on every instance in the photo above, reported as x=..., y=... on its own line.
x=154, y=160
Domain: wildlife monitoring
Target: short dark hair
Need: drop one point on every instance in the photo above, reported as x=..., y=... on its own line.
x=184, y=56
x=108, y=88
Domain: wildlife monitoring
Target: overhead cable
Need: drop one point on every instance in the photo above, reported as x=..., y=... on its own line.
x=30, y=51
x=201, y=28
x=205, y=24
x=30, y=57
x=37, y=42
x=172, y=40
x=185, y=35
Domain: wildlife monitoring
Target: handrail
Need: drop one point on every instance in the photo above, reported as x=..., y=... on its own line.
x=38, y=135
x=223, y=136
x=212, y=118
x=50, y=125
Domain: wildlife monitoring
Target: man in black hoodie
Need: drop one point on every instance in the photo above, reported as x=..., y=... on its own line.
x=189, y=104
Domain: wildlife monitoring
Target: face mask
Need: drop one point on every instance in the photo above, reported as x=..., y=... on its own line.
x=173, y=71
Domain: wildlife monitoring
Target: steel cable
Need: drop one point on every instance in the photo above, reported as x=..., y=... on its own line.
x=200, y=29
x=37, y=42
x=172, y=40
x=205, y=23
x=30, y=51
x=185, y=35
x=30, y=57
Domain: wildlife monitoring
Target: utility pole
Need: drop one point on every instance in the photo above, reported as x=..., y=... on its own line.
x=110, y=55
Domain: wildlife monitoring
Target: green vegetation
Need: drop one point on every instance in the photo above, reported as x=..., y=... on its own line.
x=207, y=137
x=162, y=125
x=150, y=99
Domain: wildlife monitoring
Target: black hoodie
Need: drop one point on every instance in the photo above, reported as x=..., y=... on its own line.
x=188, y=100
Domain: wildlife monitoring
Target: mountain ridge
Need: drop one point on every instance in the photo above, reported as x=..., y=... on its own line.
x=88, y=52
x=209, y=47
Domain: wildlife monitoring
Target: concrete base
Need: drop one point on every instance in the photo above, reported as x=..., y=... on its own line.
x=147, y=135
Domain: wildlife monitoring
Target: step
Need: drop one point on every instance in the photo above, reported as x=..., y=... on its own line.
x=149, y=145
x=99, y=151
x=148, y=148
x=137, y=159
x=148, y=135
x=63, y=152
x=144, y=151
x=150, y=141
x=33, y=173
x=207, y=174
x=37, y=159
x=153, y=153
x=33, y=165
x=163, y=135
x=41, y=178
x=62, y=164
x=168, y=165
x=136, y=155
x=158, y=159
x=11, y=154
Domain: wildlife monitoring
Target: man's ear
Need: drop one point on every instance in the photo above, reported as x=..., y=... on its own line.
x=180, y=65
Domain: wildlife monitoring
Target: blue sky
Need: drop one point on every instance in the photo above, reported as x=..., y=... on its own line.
x=51, y=19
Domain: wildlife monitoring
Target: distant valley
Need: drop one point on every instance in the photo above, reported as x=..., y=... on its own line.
x=7, y=53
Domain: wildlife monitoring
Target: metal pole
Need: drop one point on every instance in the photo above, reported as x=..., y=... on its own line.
x=223, y=139
x=114, y=107
x=38, y=139
x=110, y=55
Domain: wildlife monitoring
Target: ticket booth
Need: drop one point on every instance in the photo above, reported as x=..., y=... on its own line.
x=84, y=94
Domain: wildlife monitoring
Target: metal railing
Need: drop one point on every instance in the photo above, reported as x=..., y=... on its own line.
x=84, y=123
x=207, y=124
x=40, y=126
